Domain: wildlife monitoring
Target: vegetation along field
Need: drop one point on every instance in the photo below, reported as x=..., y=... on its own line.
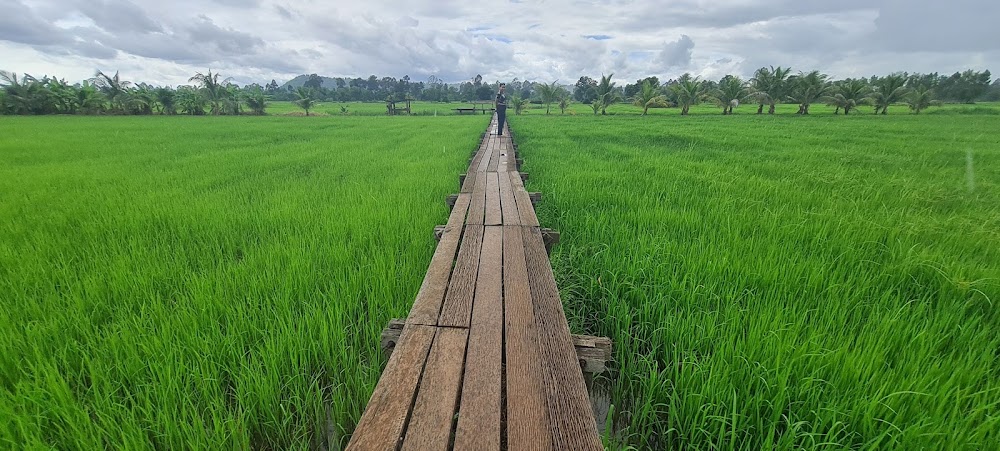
x=209, y=282
x=785, y=282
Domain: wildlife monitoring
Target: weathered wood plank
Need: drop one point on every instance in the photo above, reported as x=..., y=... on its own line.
x=507, y=202
x=477, y=208
x=431, y=422
x=427, y=305
x=495, y=158
x=573, y=425
x=527, y=414
x=457, y=308
x=381, y=426
x=494, y=212
x=479, y=416
x=524, y=208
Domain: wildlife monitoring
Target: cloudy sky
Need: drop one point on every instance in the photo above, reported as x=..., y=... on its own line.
x=166, y=41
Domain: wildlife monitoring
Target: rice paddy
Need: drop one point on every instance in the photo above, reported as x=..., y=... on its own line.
x=769, y=282
x=209, y=283
x=782, y=282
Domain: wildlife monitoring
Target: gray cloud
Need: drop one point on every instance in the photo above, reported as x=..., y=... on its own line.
x=676, y=53
x=119, y=16
x=165, y=42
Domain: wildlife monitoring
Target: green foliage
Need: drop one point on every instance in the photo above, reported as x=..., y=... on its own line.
x=770, y=86
x=548, y=94
x=781, y=284
x=729, y=92
x=188, y=284
x=887, y=91
x=920, y=98
x=648, y=97
x=808, y=88
x=518, y=103
x=607, y=93
x=305, y=99
x=688, y=91
x=848, y=95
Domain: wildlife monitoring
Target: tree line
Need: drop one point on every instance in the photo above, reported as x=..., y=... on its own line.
x=209, y=93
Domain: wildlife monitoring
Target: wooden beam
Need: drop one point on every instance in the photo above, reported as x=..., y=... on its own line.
x=535, y=197
x=550, y=238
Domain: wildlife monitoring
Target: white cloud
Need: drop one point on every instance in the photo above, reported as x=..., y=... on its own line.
x=166, y=42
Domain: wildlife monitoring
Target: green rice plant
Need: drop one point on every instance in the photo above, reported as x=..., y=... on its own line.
x=209, y=282
x=785, y=282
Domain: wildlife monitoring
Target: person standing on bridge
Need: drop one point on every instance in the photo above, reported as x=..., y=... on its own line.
x=501, y=107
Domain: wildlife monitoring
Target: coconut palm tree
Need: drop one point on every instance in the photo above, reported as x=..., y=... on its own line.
x=305, y=99
x=769, y=86
x=607, y=93
x=888, y=90
x=518, y=103
x=849, y=94
x=808, y=89
x=689, y=91
x=565, y=100
x=548, y=93
x=215, y=90
x=114, y=89
x=920, y=98
x=730, y=91
x=648, y=97
x=596, y=106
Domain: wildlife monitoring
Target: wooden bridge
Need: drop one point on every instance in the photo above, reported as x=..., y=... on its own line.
x=485, y=360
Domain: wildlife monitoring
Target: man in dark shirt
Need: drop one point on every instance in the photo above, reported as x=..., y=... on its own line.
x=501, y=106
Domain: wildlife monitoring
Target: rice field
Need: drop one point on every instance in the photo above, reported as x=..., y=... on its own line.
x=209, y=282
x=769, y=282
x=782, y=282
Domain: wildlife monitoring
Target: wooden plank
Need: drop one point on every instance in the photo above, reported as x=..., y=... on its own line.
x=479, y=418
x=457, y=307
x=434, y=410
x=427, y=305
x=507, y=202
x=487, y=156
x=526, y=416
x=524, y=207
x=494, y=212
x=477, y=207
x=495, y=158
x=573, y=424
x=381, y=426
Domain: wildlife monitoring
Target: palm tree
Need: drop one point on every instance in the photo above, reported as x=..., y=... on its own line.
x=808, y=89
x=770, y=86
x=305, y=99
x=215, y=90
x=16, y=92
x=728, y=94
x=257, y=101
x=596, y=106
x=888, y=90
x=607, y=95
x=689, y=91
x=920, y=98
x=88, y=99
x=549, y=93
x=518, y=103
x=191, y=101
x=114, y=89
x=849, y=94
x=648, y=97
x=564, y=100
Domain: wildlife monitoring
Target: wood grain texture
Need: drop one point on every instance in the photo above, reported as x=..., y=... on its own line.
x=494, y=212
x=479, y=415
x=381, y=426
x=477, y=207
x=507, y=201
x=524, y=207
x=527, y=413
x=457, y=308
x=427, y=305
x=567, y=401
x=437, y=398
